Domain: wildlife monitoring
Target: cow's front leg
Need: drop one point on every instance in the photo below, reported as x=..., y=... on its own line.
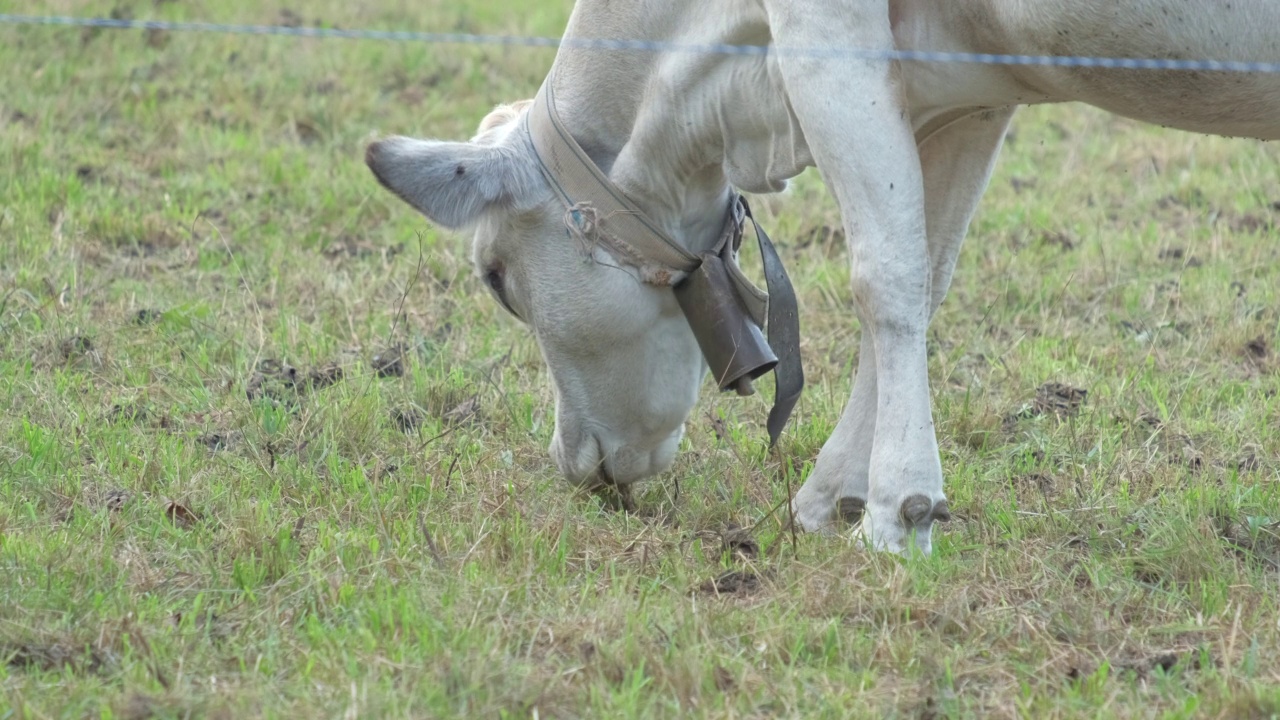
x=835, y=493
x=855, y=122
x=956, y=163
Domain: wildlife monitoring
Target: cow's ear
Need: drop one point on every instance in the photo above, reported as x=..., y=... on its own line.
x=501, y=115
x=455, y=183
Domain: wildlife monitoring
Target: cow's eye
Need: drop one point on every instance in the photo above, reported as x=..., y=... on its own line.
x=493, y=277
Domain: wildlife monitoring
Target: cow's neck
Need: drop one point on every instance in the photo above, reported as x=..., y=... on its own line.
x=659, y=123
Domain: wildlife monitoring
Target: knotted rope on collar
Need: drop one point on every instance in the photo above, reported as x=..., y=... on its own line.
x=587, y=228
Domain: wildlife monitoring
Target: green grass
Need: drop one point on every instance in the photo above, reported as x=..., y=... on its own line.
x=183, y=535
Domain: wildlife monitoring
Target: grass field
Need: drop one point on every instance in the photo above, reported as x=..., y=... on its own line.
x=271, y=450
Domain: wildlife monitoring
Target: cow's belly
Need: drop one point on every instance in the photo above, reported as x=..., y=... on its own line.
x=1222, y=103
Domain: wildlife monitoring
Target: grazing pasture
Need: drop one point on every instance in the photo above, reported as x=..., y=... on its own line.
x=271, y=450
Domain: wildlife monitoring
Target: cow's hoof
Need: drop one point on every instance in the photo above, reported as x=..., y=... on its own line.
x=851, y=509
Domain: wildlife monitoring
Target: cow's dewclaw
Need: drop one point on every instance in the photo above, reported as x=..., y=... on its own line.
x=851, y=509
x=919, y=510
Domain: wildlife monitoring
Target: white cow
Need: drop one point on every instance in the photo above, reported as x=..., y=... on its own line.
x=906, y=148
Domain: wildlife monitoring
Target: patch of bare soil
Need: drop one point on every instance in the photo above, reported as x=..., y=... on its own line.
x=1147, y=665
x=1059, y=399
x=279, y=381
x=48, y=657
x=1052, y=398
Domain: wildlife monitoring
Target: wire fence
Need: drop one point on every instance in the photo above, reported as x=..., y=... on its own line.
x=625, y=45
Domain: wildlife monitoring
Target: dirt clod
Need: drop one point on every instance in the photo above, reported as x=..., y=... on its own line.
x=126, y=413
x=718, y=427
x=325, y=375
x=1019, y=184
x=1257, y=348
x=116, y=499
x=389, y=362
x=157, y=39
x=1163, y=662
x=289, y=18
x=52, y=656
x=75, y=346
x=180, y=515
x=1058, y=239
x=734, y=582
x=1250, y=223
x=723, y=679
x=1052, y=398
x=213, y=441
x=406, y=420
x=1059, y=399
x=738, y=544
x=1248, y=463
x=147, y=316
x=1150, y=421
x=466, y=411
x=273, y=380
x=307, y=133
x=824, y=236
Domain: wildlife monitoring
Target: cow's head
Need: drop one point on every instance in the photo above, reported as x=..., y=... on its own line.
x=625, y=365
